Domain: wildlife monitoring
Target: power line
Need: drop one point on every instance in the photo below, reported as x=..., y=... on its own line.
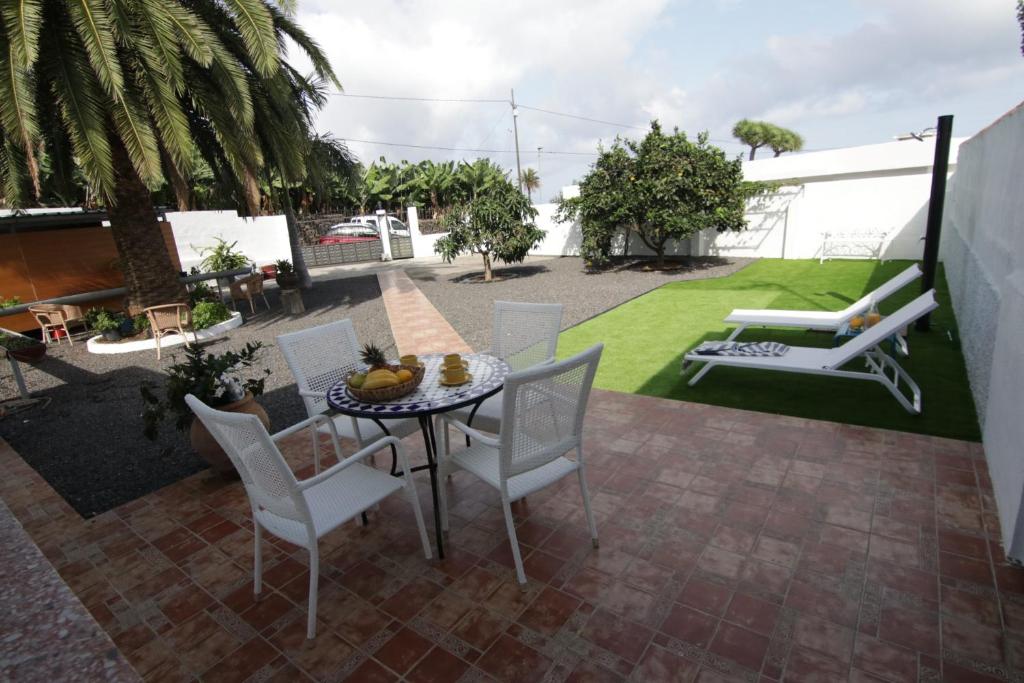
x=461, y=149
x=420, y=99
x=581, y=118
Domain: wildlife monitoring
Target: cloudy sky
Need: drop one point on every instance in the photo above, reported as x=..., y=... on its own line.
x=841, y=73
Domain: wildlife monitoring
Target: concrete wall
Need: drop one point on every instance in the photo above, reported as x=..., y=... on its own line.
x=263, y=239
x=872, y=188
x=983, y=250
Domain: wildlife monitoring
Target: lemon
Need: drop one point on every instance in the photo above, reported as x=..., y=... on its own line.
x=403, y=375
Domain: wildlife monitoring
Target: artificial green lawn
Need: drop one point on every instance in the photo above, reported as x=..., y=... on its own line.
x=645, y=340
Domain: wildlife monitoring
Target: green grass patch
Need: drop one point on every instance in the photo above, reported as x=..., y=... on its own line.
x=646, y=338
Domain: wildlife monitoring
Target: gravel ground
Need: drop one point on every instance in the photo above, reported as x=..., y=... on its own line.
x=88, y=443
x=468, y=303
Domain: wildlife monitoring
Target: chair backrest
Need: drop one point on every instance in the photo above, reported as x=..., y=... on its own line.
x=319, y=357
x=543, y=409
x=48, y=314
x=876, y=334
x=268, y=480
x=169, y=317
x=254, y=283
x=884, y=292
x=525, y=334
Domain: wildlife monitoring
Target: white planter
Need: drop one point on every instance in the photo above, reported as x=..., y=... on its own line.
x=95, y=345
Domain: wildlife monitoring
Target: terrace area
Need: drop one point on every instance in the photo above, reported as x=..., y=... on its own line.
x=734, y=546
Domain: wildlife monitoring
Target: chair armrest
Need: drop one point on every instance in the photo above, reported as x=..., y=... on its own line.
x=470, y=432
x=312, y=394
x=350, y=460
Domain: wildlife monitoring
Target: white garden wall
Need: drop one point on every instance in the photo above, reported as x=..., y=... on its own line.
x=263, y=239
x=983, y=250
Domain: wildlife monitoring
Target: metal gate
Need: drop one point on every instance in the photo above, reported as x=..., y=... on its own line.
x=355, y=251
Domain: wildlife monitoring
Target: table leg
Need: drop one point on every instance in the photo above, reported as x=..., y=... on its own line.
x=427, y=426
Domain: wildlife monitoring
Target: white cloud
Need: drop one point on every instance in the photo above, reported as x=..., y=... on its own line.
x=594, y=58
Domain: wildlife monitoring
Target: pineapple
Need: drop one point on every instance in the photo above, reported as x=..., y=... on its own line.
x=373, y=356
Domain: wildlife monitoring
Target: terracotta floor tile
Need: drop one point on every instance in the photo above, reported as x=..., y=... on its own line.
x=480, y=628
x=689, y=626
x=252, y=657
x=623, y=638
x=402, y=651
x=439, y=666
x=510, y=660
x=740, y=645
x=321, y=658
x=752, y=613
x=549, y=611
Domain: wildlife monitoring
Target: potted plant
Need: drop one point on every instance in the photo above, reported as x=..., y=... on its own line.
x=106, y=323
x=287, y=278
x=217, y=381
x=21, y=347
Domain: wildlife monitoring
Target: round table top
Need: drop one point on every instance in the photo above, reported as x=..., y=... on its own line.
x=430, y=396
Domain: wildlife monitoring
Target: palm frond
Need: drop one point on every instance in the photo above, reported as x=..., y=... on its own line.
x=255, y=24
x=17, y=107
x=131, y=121
x=165, y=109
x=156, y=40
x=321, y=65
x=22, y=19
x=194, y=35
x=95, y=28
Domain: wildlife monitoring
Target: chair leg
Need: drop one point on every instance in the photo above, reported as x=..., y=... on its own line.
x=442, y=493
x=410, y=493
x=266, y=303
x=316, y=449
x=67, y=333
x=156, y=338
x=257, y=562
x=586, y=507
x=314, y=581
x=252, y=305
x=511, y=527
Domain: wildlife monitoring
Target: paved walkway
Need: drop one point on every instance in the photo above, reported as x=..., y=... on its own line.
x=416, y=325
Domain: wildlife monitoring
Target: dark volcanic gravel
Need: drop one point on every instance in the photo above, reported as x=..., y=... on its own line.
x=467, y=302
x=88, y=443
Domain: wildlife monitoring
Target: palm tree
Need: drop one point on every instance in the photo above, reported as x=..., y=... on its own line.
x=531, y=181
x=128, y=90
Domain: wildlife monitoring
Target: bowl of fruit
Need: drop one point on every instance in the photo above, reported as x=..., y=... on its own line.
x=382, y=381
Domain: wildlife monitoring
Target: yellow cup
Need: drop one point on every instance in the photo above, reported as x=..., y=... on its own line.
x=454, y=374
x=452, y=359
x=409, y=359
x=873, y=319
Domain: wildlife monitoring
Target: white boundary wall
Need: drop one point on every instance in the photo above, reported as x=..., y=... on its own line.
x=880, y=188
x=983, y=250
x=263, y=239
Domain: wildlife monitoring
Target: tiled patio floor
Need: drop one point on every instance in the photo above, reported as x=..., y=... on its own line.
x=734, y=545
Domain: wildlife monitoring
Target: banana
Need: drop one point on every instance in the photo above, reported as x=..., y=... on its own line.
x=379, y=379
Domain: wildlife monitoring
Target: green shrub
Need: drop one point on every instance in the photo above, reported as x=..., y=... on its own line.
x=201, y=292
x=140, y=322
x=102, y=320
x=16, y=342
x=222, y=256
x=284, y=267
x=208, y=313
x=9, y=303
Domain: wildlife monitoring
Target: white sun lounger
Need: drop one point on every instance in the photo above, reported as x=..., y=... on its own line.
x=819, y=320
x=815, y=361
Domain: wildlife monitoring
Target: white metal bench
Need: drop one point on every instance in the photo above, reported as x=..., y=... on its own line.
x=865, y=244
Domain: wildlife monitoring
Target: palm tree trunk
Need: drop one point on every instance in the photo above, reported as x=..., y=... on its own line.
x=298, y=260
x=149, y=272
x=182, y=193
x=251, y=187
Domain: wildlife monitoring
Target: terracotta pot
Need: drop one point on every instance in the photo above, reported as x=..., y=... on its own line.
x=207, y=447
x=269, y=272
x=29, y=354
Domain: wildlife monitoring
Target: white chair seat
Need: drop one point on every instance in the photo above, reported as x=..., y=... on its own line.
x=485, y=462
x=369, y=430
x=334, y=502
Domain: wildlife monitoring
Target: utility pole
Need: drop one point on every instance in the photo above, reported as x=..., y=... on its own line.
x=515, y=132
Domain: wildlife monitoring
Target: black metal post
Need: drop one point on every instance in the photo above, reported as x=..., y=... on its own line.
x=936, y=202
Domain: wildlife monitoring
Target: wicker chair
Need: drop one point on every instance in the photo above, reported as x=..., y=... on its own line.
x=524, y=335
x=248, y=288
x=318, y=358
x=301, y=512
x=169, y=319
x=542, y=421
x=56, y=320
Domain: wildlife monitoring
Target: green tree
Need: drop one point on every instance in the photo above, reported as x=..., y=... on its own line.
x=473, y=178
x=758, y=134
x=531, y=181
x=496, y=222
x=784, y=140
x=128, y=90
x=662, y=187
x=435, y=182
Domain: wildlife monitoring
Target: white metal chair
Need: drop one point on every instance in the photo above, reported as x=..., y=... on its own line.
x=542, y=421
x=301, y=512
x=524, y=335
x=318, y=358
x=815, y=361
x=819, y=320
